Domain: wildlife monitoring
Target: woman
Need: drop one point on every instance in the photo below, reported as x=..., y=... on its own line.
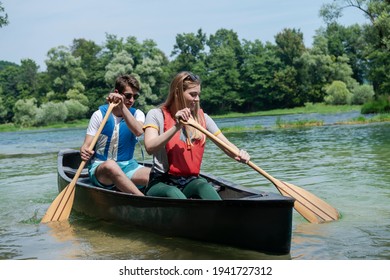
x=178, y=149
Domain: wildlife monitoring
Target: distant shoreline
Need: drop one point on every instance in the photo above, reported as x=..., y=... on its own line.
x=308, y=109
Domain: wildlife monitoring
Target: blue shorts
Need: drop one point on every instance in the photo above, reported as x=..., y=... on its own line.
x=128, y=167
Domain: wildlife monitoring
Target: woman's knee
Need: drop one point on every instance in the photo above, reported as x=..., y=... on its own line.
x=165, y=191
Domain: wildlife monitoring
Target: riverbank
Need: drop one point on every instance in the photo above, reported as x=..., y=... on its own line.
x=307, y=109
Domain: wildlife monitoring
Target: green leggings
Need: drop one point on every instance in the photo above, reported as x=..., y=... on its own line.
x=197, y=188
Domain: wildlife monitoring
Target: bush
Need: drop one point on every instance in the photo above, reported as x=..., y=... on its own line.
x=25, y=111
x=51, y=112
x=76, y=110
x=338, y=94
x=362, y=94
x=378, y=106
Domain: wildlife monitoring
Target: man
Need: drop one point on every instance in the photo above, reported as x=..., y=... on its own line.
x=112, y=163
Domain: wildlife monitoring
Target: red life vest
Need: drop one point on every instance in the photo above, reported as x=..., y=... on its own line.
x=184, y=158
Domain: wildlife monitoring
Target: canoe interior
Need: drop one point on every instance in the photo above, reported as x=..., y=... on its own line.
x=245, y=218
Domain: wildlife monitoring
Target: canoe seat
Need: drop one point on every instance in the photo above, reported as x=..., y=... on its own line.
x=70, y=172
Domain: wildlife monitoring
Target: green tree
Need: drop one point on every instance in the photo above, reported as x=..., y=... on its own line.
x=76, y=110
x=221, y=87
x=28, y=79
x=121, y=64
x=3, y=16
x=377, y=36
x=51, y=112
x=189, y=51
x=3, y=109
x=338, y=94
x=362, y=94
x=287, y=90
x=257, y=74
x=290, y=45
x=25, y=112
x=345, y=41
x=9, y=79
x=64, y=71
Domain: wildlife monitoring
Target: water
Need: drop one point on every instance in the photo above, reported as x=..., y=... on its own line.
x=348, y=166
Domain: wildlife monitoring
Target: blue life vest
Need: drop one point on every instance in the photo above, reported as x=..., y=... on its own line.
x=115, y=143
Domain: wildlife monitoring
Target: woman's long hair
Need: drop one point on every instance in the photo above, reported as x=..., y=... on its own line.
x=175, y=101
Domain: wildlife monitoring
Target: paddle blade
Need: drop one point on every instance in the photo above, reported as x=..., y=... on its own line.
x=312, y=208
x=61, y=207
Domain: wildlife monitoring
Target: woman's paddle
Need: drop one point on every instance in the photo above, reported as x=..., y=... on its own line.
x=308, y=205
x=60, y=208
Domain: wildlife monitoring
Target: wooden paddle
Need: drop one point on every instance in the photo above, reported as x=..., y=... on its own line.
x=60, y=208
x=307, y=204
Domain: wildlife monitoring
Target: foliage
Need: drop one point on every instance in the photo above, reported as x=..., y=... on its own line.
x=338, y=94
x=25, y=112
x=237, y=75
x=76, y=110
x=362, y=94
x=3, y=16
x=298, y=123
x=51, y=112
x=3, y=109
x=121, y=64
x=379, y=105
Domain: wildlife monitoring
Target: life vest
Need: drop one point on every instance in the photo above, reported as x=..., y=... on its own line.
x=184, y=158
x=115, y=142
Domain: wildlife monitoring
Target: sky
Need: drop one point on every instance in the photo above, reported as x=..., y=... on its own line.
x=36, y=26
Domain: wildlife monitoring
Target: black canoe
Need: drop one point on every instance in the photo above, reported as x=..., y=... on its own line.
x=245, y=218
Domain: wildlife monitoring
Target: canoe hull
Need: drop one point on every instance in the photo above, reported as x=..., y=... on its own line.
x=245, y=218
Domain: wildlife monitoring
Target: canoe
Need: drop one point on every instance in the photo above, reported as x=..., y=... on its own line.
x=245, y=218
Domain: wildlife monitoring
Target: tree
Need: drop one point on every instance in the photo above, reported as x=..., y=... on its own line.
x=28, y=79
x=377, y=36
x=51, y=112
x=189, y=52
x=3, y=109
x=287, y=88
x=338, y=94
x=93, y=64
x=260, y=63
x=64, y=71
x=337, y=40
x=221, y=86
x=290, y=45
x=362, y=94
x=121, y=64
x=25, y=112
x=3, y=16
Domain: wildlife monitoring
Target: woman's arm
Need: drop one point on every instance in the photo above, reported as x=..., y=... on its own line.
x=154, y=141
x=239, y=155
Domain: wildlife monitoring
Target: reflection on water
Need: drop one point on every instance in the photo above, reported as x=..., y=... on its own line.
x=93, y=239
x=347, y=166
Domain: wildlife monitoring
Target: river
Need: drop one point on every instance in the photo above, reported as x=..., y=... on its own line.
x=348, y=166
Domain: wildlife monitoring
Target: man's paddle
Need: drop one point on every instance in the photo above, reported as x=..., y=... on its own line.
x=60, y=208
x=308, y=205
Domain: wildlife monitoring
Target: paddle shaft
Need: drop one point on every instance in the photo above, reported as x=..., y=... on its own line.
x=308, y=205
x=61, y=207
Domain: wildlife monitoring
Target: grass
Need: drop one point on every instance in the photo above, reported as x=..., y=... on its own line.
x=298, y=123
x=307, y=109
x=241, y=128
x=74, y=124
x=363, y=120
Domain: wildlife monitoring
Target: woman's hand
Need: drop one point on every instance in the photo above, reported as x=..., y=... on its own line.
x=184, y=114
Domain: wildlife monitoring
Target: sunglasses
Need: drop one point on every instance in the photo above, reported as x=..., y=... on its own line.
x=129, y=95
x=192, y=77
